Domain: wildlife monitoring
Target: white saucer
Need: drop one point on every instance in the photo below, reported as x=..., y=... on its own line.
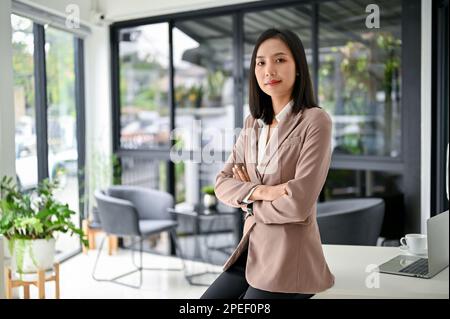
x=423, y=253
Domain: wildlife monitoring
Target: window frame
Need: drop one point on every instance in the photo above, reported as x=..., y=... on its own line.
x=439, y=144
x=41, y=106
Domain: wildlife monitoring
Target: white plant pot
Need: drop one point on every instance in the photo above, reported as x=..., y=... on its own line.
x=209, y=200
x=38, y=254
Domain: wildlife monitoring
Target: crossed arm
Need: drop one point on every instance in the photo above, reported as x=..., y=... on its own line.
x=260, y=192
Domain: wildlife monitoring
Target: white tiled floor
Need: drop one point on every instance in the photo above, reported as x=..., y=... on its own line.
x=76, y=281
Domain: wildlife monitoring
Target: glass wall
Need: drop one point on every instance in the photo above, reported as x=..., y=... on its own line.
x=345, y=183
x=359, y=80
x=204, y=100
x=24, y=103
x=144, y=172
x=360, y=86
x=144, y=86
x=61, y=125
x=360, y=77
x=61, y=121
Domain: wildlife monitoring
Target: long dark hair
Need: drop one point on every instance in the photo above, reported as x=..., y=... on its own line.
x=302, y=93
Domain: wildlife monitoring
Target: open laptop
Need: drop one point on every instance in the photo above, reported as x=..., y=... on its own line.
x=437, y=240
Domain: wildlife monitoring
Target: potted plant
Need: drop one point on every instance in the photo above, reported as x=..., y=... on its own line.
x=209, y=197
x=181, y=96
x=196, y=95
x=30, y=223
x=215, y=81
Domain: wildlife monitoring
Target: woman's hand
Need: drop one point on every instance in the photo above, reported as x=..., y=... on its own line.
x=268, y=192
x=262, y=192
x=240, y=173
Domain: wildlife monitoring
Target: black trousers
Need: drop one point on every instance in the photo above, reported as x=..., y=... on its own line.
x=232, y=284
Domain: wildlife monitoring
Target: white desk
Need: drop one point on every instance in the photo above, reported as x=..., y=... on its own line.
x=349, y=264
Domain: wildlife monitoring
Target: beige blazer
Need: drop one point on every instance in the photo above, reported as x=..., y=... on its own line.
x=284, y=246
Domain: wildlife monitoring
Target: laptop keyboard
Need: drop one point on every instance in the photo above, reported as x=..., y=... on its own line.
x=419, y=267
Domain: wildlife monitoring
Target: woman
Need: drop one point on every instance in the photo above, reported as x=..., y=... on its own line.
x=275, y=173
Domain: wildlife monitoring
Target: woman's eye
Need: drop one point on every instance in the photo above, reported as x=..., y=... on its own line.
x=260, y=63
x=281, y=60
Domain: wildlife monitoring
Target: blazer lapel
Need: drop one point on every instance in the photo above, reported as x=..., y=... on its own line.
x=284, y=129
x=253, y=153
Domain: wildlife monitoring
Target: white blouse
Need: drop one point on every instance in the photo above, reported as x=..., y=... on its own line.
x=263, y=133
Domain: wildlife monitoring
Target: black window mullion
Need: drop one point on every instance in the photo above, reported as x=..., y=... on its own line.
x=170, y=164
x=81, y=120
x=115, y=88
x=410, y=111
x=115, y=100
x=40, y=80
x=315, y=48
x=315, y=63
x=439, y=201
x=238, y=52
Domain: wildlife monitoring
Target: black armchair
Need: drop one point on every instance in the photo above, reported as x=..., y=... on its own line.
x=136, y=212
x=350, y=221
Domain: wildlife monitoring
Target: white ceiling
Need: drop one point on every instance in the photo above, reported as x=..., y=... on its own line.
x=117, y=10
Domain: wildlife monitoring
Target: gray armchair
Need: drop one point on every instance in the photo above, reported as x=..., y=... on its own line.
x=350, y=221
x=136, y=212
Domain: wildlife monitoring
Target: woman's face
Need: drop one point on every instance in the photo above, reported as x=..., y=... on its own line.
x=275, y=68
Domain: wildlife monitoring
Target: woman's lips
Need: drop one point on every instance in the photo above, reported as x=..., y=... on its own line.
x=273, y=83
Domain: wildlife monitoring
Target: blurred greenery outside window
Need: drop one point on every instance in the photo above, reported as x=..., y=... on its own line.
x=144, y=86
x=360, y=79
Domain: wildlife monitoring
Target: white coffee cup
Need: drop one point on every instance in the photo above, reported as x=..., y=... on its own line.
x=414, y=243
